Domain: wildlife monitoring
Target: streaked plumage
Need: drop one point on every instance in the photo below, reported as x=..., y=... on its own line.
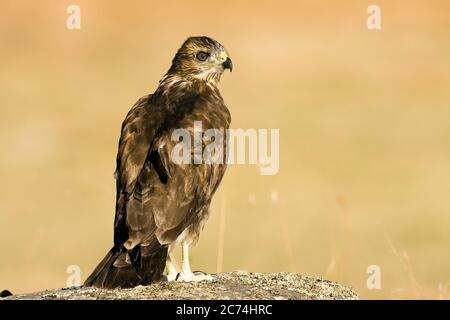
x=160, y=203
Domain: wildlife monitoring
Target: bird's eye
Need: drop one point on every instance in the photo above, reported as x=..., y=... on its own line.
x=202, y=56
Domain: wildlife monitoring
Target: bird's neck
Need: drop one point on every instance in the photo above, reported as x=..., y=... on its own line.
x=173, y=80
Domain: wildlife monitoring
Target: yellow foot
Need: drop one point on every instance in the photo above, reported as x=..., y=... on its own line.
x=170, y=277
x=194, y=276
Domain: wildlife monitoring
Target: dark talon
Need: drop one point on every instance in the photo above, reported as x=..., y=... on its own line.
x=72, y=288
x=201, y=273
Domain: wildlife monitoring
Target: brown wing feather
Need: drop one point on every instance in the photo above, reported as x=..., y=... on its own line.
x=138, y=132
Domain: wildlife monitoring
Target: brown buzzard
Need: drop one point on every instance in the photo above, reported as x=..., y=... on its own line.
x=159, y=203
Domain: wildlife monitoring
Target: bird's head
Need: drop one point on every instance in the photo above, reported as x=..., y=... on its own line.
x=201, y=58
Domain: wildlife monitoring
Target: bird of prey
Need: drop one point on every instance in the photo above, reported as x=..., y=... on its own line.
x=161, y=203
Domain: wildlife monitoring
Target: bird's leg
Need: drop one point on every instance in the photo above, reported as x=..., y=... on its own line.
x=171, y=271
x=185, y=263
x=186, y=274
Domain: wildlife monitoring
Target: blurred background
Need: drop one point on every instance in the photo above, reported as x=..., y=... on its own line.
x=363, y=115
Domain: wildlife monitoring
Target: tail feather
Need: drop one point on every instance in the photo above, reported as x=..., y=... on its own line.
x=146, y=267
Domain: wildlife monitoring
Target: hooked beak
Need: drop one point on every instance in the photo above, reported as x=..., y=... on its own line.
x=228, y=64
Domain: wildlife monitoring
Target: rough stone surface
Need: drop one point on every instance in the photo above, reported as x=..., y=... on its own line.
x=232, y=285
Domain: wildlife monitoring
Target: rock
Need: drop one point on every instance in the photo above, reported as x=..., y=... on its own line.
x=5, y=293
x=231, y=285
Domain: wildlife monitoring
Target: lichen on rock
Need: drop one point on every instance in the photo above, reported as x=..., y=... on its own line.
x=231, y=285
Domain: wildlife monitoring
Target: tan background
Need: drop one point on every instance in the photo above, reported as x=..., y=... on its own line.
x=363, y=115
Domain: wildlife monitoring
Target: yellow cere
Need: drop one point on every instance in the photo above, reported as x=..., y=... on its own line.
x=223, y=56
